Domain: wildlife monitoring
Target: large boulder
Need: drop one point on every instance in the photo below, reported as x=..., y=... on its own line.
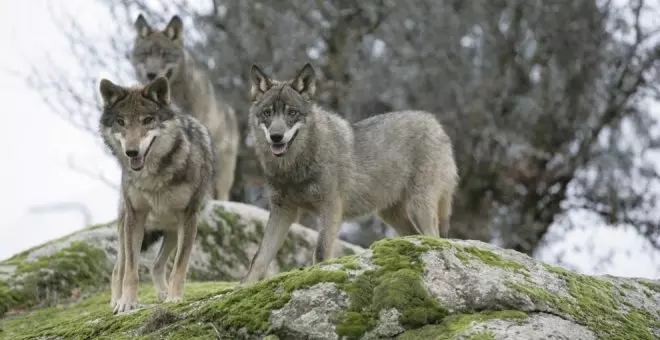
x=400, y=288
x=228, y=236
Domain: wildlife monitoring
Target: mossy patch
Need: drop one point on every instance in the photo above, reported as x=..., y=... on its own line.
x=397, y=283
x=595, y=305
x=454, y=325
x=92, y=317
x=250, y=306
x=653, y=286
x=51, y=279
x=492, y=259
x=484, y=335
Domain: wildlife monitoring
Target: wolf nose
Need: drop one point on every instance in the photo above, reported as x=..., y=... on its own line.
x=131, y=153
x=151, y=75
x=276, y=137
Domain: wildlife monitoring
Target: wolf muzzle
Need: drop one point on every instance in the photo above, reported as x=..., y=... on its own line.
x=280, y=142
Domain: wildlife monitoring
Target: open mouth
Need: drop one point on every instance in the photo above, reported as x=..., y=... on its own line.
x=137, y=163
x=279, y=149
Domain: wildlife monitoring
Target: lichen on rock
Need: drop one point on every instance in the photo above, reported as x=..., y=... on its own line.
x=401, y=288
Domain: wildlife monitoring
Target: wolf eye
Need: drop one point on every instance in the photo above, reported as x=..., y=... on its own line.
x=266, y=113
x=120, y=121
x=293, y=112
x=147, y=120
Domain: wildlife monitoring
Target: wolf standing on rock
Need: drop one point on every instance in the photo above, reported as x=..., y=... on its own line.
x=161, y=53
x=399, y=165
x=166, y=161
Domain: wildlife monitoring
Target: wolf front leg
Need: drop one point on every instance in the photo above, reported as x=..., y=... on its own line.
x=133, y=229
x=158, y=269
x=118, y=270
x=278, y=225
x=185, y=243
x=331, y=218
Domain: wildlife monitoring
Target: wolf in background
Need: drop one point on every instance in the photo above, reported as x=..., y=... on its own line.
x=399, y=165
x=158, y=53
x=166, y=159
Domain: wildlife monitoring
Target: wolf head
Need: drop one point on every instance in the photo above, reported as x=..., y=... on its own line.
x=281, y=110
x=133, y=119
x=157, y=53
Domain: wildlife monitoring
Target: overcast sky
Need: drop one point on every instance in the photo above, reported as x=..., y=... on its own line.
x=37, y=145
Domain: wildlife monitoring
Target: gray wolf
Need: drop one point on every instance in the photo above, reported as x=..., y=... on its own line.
x=166, y=161
x=158, y=53
x=398, y=165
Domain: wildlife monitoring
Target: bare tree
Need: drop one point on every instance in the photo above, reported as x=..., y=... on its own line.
x=544, y=100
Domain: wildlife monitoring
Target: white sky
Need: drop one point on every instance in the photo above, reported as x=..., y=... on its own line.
x=37, y=145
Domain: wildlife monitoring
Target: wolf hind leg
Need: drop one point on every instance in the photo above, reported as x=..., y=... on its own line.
x=396, y=217
x=423, y=213
x=444, y=214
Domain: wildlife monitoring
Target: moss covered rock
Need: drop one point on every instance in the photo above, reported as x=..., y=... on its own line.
x=400, y=288
x=80, y=263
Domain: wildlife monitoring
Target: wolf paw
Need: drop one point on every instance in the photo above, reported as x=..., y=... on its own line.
x=162, y=294
x=173, y=299
x=124, y=305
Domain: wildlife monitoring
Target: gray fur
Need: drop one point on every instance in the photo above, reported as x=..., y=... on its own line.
x=399, y=165
x=164, y=185
x=162, y=53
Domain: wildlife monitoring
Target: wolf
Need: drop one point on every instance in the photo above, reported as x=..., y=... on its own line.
x=158, y=53
x=166, y=159
x=398, y=165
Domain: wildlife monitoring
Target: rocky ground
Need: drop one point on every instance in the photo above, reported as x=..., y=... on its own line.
x=399, y=288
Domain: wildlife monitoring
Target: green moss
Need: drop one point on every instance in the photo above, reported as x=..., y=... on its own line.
x=627, y=286
x=485, y=335
x=51, y=279
x=492, y=259
x=454, y=325
x=595, y=305
x=10, y=298
x=250, y=306
x=397, y=283
x=653, y=286
x=348, y=262
x=198, y=330
x=92, y=317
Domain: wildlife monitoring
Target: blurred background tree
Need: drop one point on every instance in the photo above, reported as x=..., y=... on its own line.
x=547, y=102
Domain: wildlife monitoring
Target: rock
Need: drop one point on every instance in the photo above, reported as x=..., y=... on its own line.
x=400, y=288
x=228, y=236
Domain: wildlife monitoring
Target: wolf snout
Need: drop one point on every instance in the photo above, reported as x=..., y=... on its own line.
x=276, y=137
x=151, y=75
x=132, y=153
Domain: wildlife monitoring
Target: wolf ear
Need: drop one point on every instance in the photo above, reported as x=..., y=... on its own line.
x=174, y=28
x=142, y=27
x=110, y=93
x=260, y=81
x=158, y=91
x=305, y=81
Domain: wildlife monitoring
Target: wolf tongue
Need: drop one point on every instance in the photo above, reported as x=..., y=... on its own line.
x=278, y=148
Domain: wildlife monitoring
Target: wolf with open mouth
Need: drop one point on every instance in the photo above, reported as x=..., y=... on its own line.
x=166, y=158
x=399, y=165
